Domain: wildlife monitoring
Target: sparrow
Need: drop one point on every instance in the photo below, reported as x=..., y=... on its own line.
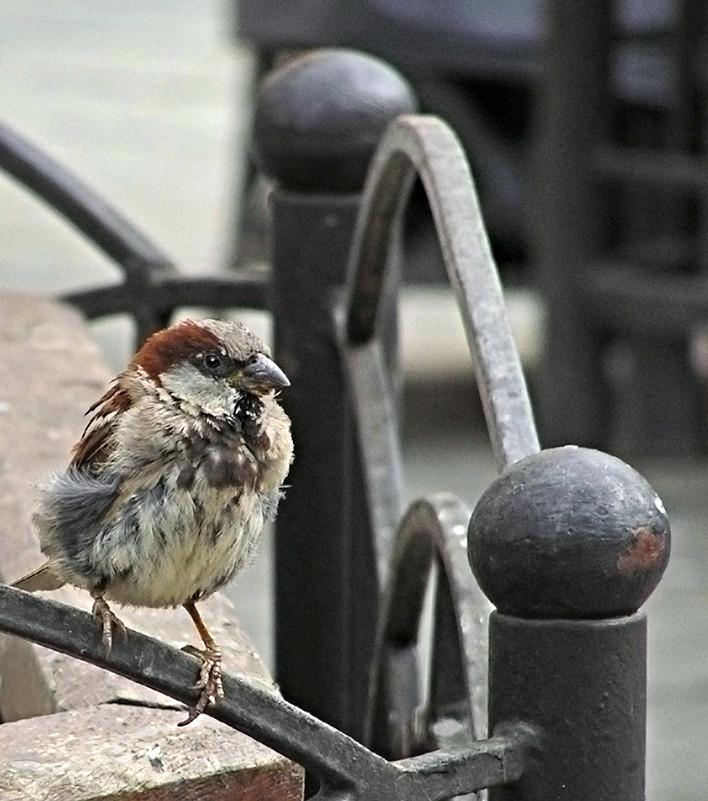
x=181, y=464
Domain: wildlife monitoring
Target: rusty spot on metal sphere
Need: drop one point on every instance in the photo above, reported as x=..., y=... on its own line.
x=645, y=550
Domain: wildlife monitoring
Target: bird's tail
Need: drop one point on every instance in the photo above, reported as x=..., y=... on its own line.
x=43, y=578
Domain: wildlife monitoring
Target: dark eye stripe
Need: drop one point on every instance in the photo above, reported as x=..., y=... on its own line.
x=215, y=362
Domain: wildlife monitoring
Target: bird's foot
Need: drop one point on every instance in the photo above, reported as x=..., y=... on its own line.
x=209, y=681
x=109, y=621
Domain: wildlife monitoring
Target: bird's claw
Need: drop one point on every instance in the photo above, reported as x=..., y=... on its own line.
x=209, y=681
x=109, y=622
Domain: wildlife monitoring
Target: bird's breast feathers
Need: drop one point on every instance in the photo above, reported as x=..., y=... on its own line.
x=162, y=532
x=189, y=544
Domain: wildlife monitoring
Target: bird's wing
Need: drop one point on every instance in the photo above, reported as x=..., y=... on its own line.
x=43, y=578
x=96, y=441
x=93, y=447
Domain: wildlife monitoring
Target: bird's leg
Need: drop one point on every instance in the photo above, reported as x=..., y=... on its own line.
x=210, y=673
x=108, y=619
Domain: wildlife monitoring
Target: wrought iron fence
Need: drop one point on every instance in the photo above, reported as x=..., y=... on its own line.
x=567, y=543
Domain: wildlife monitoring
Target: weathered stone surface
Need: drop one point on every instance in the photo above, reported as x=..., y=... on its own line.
x=50, y=373
x=126, y=752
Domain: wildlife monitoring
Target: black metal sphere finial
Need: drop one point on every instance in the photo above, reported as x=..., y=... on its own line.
x=569, y=533
x=320, y=116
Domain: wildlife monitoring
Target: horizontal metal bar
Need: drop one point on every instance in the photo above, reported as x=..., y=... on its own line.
x=497, y=761
x=247, y=289
x=243, y=289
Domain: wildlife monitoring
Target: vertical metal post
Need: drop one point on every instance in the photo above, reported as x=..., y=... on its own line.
x=318, y=120
x=571, y=119
x=568, y=544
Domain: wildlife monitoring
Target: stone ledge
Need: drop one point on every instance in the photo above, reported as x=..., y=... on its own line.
x=126, y=752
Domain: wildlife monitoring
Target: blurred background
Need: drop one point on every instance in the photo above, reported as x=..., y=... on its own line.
x=586, y=133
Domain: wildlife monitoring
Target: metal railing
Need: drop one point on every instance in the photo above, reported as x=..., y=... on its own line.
x=567, y=543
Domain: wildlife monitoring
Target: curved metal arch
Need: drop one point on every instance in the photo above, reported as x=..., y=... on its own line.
x=152, y=288
x=432, y=532
x=66, y=194
x=427, y=147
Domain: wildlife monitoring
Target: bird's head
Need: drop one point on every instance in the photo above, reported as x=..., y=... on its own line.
x=210, y=364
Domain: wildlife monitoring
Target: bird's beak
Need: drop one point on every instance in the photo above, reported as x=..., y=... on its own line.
x=263, y=374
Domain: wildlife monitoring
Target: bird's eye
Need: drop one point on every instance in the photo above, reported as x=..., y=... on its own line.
x=212, y=361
